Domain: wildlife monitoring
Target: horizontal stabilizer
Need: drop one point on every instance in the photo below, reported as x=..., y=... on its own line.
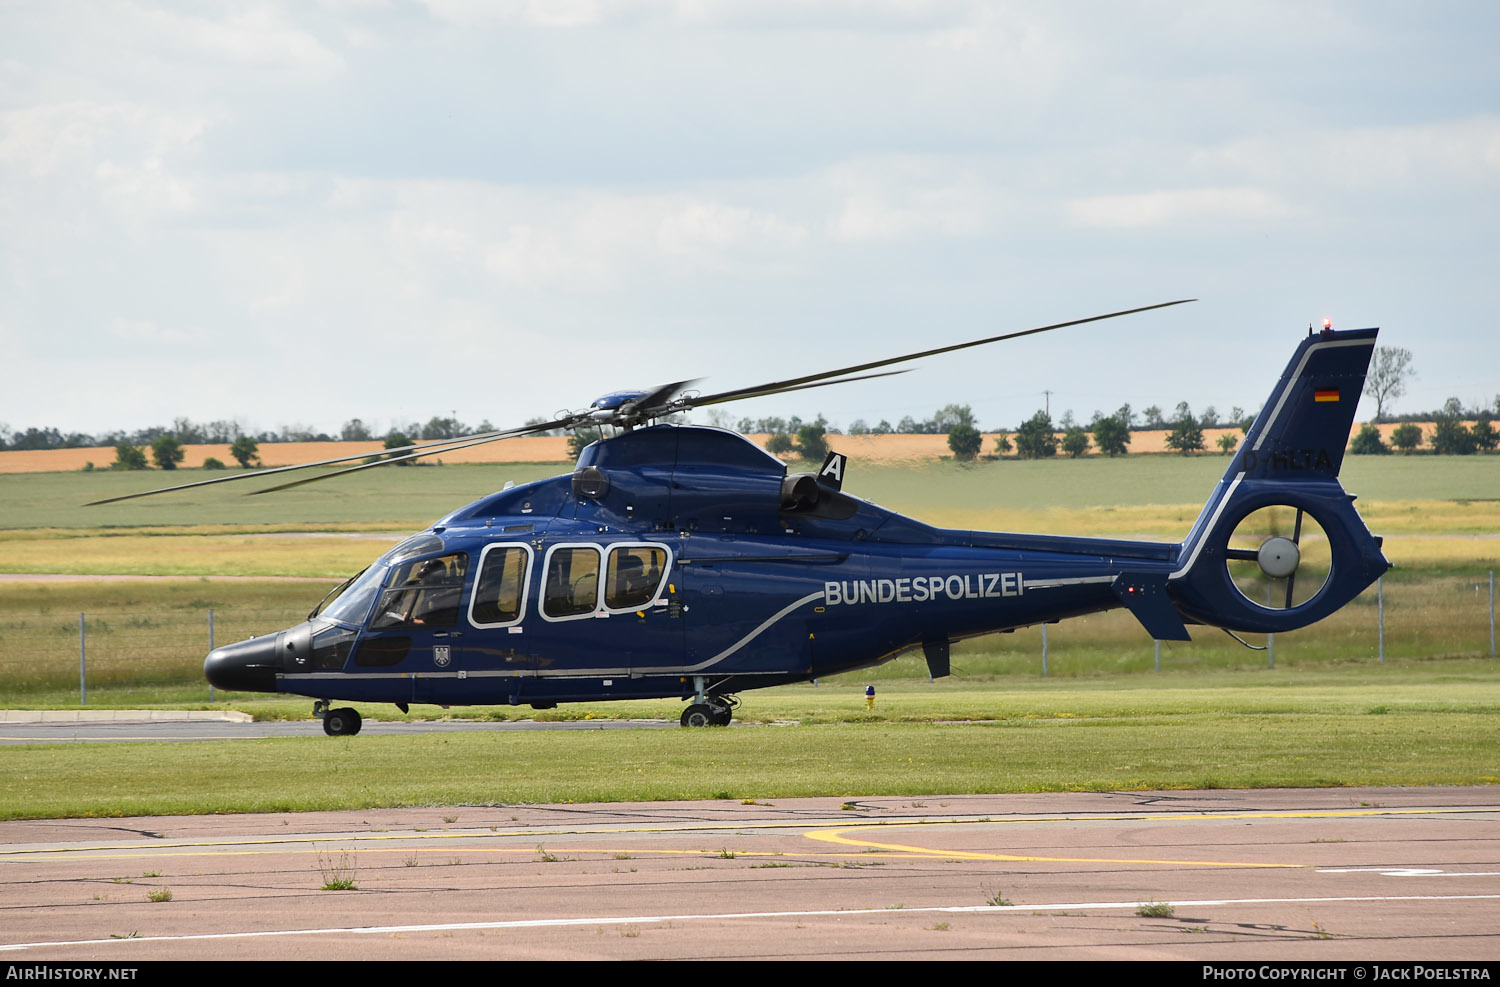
x=1146, y=597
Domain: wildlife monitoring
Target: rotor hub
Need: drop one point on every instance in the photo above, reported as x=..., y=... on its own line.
x=1278, y=557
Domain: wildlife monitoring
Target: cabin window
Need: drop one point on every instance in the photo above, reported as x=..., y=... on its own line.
x=330, y=647
x=634, y=575
x=422, y=593
x=500, y=591
x=572, y=588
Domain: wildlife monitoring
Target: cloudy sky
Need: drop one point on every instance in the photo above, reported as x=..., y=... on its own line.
x=300, y=213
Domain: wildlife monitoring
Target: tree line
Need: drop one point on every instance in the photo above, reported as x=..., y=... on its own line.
x=188, y=432
x=1391, y=370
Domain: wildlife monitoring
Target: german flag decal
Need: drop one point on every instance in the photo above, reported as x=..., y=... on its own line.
x=1329, y=395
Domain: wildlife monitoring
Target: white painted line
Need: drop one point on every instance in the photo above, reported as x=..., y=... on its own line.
x=541, y=923
x=1408, y=871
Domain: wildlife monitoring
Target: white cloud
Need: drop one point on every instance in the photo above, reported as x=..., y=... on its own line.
x=909, y=199
x=42, y=140
x=259, y=37
x=1204, y=207
x=147, y=332
x=1465, y=149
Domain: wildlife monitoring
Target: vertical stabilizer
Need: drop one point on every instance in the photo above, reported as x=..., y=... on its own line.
x=1289, y=460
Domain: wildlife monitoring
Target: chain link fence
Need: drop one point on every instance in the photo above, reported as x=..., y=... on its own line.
x=113, y=649
x=1401, y=617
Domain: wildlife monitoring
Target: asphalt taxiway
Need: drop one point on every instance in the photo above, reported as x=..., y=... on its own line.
x=1404, y=874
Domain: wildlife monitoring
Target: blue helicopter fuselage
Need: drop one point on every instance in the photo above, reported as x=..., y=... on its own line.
x=680, y=560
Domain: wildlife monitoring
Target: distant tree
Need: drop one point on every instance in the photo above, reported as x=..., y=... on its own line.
x=1112, y=435
x=1485, y=436
x=1237, y=417
x=1388, y=375
x=1369, y=443
x=396, y=440
x=246, y=451
x=1154, y=418
x=1227, y=442
x=1185, y=436
x=1034, y=439
x=910, y=426
x=859, y=427
x=1067, y=420
x=779, y=443
x=1126, y=415
x=187, y=432
x=884, y=428
x=1451, y=437
x=811, y=444
x=298, y=432
x=213, y=463
x=442, y=428
x=1406, y=437
x=950, y=415
x=221, y=431
x=128, y=457
x=354, y=430
x=167, y=452
x=1003, y=445
x=1075, y=441
x=965, y=441
x=38, y=438
x=580, y=440
x=1209, y=418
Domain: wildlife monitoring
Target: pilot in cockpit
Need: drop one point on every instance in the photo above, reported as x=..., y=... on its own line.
x=437, y=600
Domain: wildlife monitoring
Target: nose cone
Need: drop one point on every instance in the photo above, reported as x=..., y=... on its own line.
x=248, y=666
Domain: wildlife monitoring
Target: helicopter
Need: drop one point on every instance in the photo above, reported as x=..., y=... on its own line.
x=683, y=561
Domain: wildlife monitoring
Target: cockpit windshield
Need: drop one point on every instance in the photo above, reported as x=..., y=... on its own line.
x=352, y=604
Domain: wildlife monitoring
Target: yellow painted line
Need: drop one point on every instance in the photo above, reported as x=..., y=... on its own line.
x=836, y=836
x=811, y=829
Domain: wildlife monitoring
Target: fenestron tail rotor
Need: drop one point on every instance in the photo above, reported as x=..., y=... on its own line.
x=627, y=409
x=1278, y=557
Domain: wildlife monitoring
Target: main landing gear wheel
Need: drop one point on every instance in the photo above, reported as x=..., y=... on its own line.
x=714, y=713
x=342, y=722
x=698, y=715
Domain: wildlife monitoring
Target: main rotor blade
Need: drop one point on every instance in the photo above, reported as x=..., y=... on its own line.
x=455, y=446
x=436, y=446
x=776, y=387
x=700, y=402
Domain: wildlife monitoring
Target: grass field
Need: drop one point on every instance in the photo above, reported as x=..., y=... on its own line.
x=1416, y=724
x=146, y=639
x=1215, y=716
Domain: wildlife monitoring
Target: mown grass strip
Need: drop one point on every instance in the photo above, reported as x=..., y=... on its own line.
x=1201, y=750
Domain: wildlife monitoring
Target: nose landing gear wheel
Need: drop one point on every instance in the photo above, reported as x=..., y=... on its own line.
x=342, y=722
